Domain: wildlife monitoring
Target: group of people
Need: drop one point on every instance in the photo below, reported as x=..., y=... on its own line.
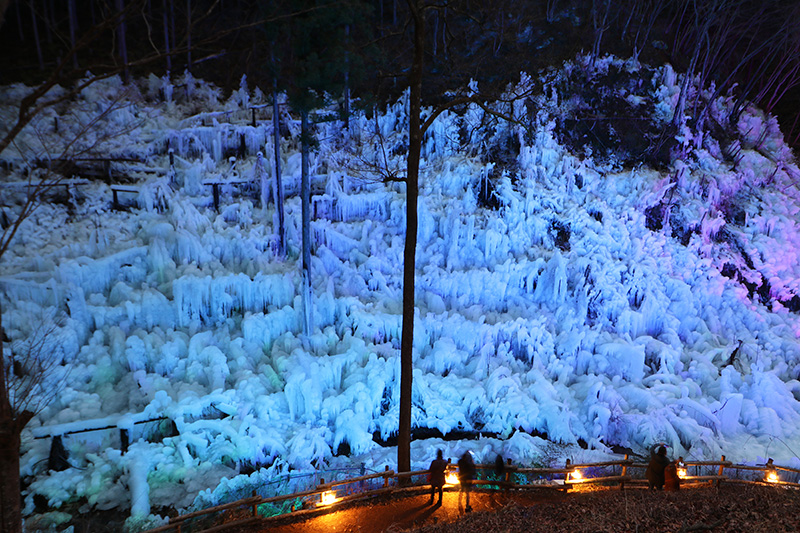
x=466, y=473
x=662, y=474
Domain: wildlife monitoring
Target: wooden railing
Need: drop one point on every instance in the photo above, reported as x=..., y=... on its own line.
x=327, y=496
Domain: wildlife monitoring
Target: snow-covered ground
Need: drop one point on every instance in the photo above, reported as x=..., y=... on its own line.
x=563, y=307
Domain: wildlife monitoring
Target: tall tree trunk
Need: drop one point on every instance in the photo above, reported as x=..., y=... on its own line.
x=276, y=136
x=73, y=22
x=10, y=428
x=305, y=200
x=18, y=12
x=680, y=107
x=172, y=24
x=188, y=35
x=36, y=38
x=122, y=39
x=165, y=21
x=48, y=21
x=410, y=250
x=5, y=405
x=10, y=497
x=347, y=80
x=3, y=8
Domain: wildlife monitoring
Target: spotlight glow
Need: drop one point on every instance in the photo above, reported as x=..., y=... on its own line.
x=327, y=498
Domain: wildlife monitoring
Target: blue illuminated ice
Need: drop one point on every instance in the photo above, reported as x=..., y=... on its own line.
x=621, y=335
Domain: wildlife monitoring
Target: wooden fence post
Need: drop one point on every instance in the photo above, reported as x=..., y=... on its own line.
x=721, y=468
x=566, y=474
x=508, y=477
x=255, y=507
x=215, y=191
x=124, y=434
x=385, y=477
x=624, y=472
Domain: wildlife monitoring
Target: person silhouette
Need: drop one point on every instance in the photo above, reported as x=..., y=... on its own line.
x=655, y=468
x=437, y=469
x=466, y=473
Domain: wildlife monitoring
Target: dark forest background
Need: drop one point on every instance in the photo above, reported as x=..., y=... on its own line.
x=745, y=47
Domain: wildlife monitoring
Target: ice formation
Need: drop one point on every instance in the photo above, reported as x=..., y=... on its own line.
x=555, y=311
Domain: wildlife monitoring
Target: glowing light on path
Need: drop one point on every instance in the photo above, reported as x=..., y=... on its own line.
x=327, y=498
x=451, y=479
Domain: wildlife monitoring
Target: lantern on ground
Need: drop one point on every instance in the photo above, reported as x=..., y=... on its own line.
x=682, y=473
x=451, y=478
x=771, y=474
x=327, y=498
x=575, y=476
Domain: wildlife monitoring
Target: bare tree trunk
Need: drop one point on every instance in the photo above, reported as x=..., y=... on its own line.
x=10, y=428
x=701, y=28
x=305, y=200
x=36, y=38
x=48, y=34
x=347, y=81
x=600, y=27
x=3, y=8
x=123, y=42
x=5, y=405
x=172, y=24
x=188, y=35
x=276, y=134
x=18, y=12
x=552, y=10
x=435, y=32
x=410, y=250
x=677, y=118
x=73, y=22
x=165, y=20
x=10, y=497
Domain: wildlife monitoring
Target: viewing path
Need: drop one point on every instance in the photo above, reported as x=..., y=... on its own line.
x=399, y=512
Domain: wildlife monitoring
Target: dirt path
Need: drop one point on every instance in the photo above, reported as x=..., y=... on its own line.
x=727, y=509
x=400, y=513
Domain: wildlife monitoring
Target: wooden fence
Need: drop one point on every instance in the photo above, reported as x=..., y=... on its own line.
x=327, y=496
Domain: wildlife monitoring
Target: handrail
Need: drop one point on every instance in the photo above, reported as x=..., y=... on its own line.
x=596, y=465
x=506, y=482
x=331, y=484
x=216, y=508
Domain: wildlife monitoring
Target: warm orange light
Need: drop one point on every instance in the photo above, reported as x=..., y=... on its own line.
x=682, y=473
x=327, y=498
x=451, y=479
x=772, y=477
x=576, y=476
